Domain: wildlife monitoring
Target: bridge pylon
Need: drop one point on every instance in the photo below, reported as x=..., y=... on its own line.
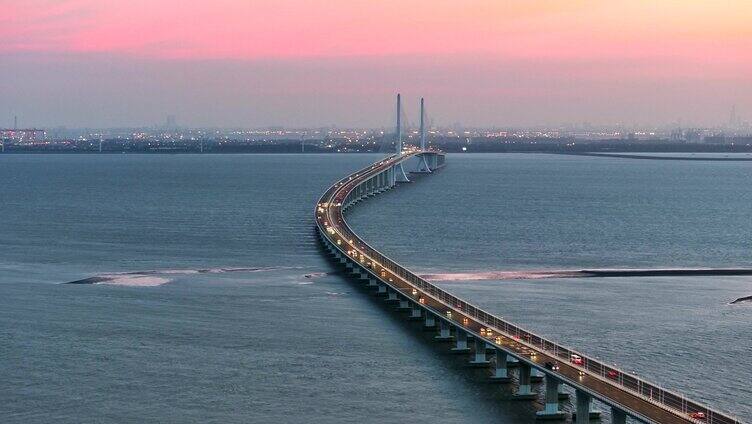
x=400, y=176
x=422, y=162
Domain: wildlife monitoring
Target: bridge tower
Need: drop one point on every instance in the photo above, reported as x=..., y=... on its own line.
x=422, y=161
x=399, y=171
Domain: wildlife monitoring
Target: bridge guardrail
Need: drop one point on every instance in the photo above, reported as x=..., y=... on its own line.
x=648, y=391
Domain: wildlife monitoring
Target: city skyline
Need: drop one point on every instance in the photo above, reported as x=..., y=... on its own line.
x=80, y=63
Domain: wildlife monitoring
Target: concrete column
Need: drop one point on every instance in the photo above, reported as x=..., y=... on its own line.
x=501, y=374
x=523, y=390
x=403, y=305
x=391, y=295
x=480, y=353
x=415, y=313
x=583, y=408
x=536, y=376
x=618, y=416
x=460, y=345
x=551, y=410
x=444, y=333
x=430, y=321
x=382, y=290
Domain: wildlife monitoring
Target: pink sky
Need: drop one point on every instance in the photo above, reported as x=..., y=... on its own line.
x=556, y=61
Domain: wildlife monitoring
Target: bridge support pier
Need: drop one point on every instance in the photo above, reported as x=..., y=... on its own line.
x=460, y=345
x=403, y=305
x=415, y=313
x=618, y=416
x=551, y=410
x=536, y=376
x=523, y=390
x=430, y=322
x=382, y=290
x=391, y=295
x=480, y=359
x=444, y=333
x=501, y=374
x=372, y=282
x=584, y=412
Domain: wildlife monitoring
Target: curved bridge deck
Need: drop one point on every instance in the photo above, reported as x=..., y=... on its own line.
x=627, y=394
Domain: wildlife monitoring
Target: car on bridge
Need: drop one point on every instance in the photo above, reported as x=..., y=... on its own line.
x=698, y=415
x=576, y=359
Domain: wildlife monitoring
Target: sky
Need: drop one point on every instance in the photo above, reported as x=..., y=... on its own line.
x=293, y=63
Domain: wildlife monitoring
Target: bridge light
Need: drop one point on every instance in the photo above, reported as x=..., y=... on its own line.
x=465, y=321
x=422, y=301
x=415, y=292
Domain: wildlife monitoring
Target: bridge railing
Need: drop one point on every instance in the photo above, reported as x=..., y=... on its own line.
x=629, y=382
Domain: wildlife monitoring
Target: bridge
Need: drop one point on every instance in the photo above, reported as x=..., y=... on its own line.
x=496, y=343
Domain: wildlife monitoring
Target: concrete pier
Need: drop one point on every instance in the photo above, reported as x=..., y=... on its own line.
x=618, y=416
x=415, y=313
x=479, y=357
x=460, y=345
x=584, y=412
x=430, y=323
x=536, y=376
x=551, y=409
x=403, y=305
x=501, y=372
x=391, y=296
x=524, y=391
x=444, y=332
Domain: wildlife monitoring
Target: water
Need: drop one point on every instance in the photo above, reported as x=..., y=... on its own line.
x=274, y=345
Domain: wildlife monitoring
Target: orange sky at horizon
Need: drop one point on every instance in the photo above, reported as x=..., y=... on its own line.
x=557, y=50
